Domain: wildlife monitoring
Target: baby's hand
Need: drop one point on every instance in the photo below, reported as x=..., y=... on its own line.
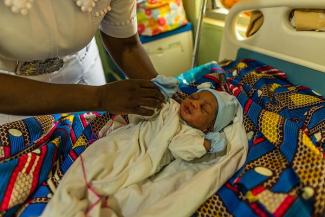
x=207, y=145
x=217, y=141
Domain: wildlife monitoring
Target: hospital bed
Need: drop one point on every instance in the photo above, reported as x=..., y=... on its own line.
x=299, y=54
x=284, y=171
x=275, y=181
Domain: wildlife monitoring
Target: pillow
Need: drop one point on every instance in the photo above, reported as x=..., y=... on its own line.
x=158, y=16
x=210, y=74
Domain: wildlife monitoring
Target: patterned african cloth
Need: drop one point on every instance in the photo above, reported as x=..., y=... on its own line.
x=36, y=152
x=284, y=174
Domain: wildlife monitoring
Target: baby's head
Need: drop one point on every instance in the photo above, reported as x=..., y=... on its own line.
x=208, y=109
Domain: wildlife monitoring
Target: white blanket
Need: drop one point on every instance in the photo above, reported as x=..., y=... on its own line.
x=124, y=168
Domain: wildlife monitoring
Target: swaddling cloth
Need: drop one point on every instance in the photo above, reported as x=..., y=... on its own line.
x=127, y=156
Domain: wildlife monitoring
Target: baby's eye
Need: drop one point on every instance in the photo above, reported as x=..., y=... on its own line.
x=193, y=96
x=204, y=109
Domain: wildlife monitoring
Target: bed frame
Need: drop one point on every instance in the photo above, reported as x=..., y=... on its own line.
x=300, y=54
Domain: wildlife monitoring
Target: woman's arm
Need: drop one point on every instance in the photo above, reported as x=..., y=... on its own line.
x=21, y=96
x=130, y=56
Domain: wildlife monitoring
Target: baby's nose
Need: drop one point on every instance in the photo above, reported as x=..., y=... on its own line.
x=195, y=104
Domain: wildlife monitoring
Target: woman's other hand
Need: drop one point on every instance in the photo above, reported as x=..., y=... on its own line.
x=132, y=96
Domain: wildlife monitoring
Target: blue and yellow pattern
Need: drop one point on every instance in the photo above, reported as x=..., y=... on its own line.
x=284, y=173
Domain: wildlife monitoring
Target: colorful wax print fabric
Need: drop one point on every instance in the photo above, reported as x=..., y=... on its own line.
x=284, y=174
x=158, y=16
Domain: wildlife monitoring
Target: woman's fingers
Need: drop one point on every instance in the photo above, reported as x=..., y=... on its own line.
x=143, y=111
x=150, y=90
x=149, y=102
x=146, y=84
x=152, y=94
x=131, y=96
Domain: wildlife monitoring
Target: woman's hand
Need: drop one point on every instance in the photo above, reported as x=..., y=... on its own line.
x=132, y=96
x=21, y=96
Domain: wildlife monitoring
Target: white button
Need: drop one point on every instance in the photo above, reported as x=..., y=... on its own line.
x=15, y=132
x=308, y=192
x=259, y=92
x=263, y=171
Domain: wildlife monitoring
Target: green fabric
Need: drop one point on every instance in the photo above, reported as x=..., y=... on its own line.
x=112, y=72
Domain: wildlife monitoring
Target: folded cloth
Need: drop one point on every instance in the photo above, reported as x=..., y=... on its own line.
x=167, y=85
x=308, y=20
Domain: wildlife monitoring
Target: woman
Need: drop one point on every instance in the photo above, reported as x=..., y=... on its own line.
x=46, y=39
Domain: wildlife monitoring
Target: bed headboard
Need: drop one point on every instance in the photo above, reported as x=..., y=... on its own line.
x=301, y=54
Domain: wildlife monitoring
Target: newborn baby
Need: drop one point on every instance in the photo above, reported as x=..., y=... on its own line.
x=207, y=110
x=201, y=118
x=129, y=155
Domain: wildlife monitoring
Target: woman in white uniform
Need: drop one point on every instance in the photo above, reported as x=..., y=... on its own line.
x=52, y=41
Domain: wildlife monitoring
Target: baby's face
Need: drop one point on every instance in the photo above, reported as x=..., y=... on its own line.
x=199, y=110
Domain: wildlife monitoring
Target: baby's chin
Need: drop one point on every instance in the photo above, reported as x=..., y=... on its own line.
x=187, y=118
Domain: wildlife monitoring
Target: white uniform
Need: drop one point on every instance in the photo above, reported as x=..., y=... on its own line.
x=42, y=29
